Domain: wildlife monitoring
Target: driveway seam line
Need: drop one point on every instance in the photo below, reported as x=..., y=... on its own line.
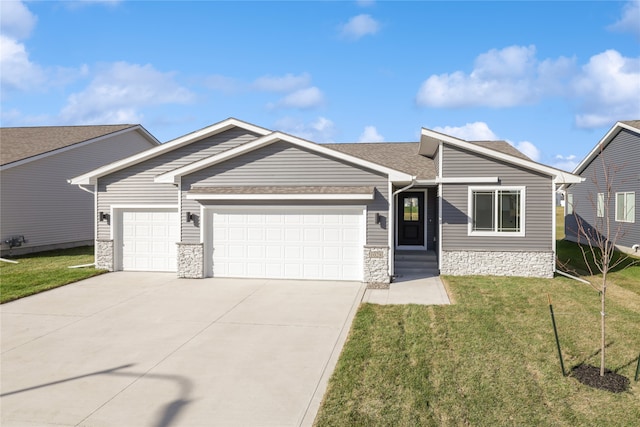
x=349, y=319
x=80, y=317
x=171, y=353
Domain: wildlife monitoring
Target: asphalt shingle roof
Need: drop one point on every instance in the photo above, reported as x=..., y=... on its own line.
x=632, y=123
x=400, y=156
x=19, y=143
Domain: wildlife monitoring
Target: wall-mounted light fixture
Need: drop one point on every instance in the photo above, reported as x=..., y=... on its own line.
x=190, y=216
x=103, y=216
x=377, y=218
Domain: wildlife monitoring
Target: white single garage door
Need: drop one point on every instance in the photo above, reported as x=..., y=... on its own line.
x=288, y=243
x=149, y=238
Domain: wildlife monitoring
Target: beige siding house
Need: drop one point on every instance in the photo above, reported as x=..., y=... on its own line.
x=239, y=200
x=39, y=210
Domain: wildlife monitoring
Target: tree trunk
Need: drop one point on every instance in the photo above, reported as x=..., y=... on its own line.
x=602, y=322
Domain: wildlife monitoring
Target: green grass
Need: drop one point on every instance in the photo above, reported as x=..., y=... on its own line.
x=488, y=360
x=45, y=270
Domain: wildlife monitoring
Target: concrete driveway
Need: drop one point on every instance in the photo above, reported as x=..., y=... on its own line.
x=148, y=349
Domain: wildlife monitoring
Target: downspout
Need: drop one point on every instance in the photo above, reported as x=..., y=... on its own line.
x=392, y=249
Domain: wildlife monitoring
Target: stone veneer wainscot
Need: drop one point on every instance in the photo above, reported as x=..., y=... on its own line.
x=191, y=260
x=521, y=264
x=104, y=254
x=376, y=267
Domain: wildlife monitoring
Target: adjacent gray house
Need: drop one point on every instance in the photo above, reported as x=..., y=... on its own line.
x=39, y=210
x=244, y=201
x=617, y=155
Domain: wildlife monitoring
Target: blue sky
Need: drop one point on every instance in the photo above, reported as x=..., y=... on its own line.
x=549, y=77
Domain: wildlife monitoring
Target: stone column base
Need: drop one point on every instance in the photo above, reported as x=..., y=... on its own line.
x=104, y=255
x=485, y=263
x=376, y=267
x=191, y=260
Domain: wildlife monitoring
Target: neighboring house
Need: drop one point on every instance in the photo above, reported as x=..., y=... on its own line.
x=39, y=210
x=617, y=155
x=243, y=201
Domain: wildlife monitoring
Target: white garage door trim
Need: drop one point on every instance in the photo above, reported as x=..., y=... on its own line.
x=171, y=231
x=311, y=272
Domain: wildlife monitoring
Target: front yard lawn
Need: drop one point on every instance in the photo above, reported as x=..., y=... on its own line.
x=45, y=270
x=490, y=359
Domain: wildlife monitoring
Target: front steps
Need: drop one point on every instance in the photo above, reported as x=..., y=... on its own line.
x=415, y=264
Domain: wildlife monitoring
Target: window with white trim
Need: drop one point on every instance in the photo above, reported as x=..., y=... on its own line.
x=626, y=207
x=600, y=205
x=569, y=204
x=496, y=211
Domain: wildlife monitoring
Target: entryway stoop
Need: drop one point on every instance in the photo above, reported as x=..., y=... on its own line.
x=415, y=264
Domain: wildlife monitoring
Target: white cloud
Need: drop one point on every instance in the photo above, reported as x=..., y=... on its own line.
x=604, y=90
x=477, y=131
x=500, y=78
x=567, y=163
x=119, y=90
x=607, y=89
x=287, y=83
x=303, y=99
x=319, y=130
x=370, y=134
x=630, y=19
x=16, y=21
x=18, y=72
x=528, y=149
x=360, y=26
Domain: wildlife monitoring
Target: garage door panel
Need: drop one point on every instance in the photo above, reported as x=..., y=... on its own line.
x=288, y=243
x=148, y=241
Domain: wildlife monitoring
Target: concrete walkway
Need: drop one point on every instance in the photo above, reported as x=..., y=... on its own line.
x=148, y=349
x=410, y=290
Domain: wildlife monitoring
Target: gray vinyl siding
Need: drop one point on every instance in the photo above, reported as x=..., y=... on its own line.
x=39, y=203
x=285, y=164
x=538, y=204
x=135, y=186
x=432, y=217
x=622, y=154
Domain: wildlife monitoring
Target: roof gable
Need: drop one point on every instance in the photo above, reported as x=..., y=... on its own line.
x=631, y=125
x=272, y=138
x=20, y=144
x=223, y=126
x=430, y=141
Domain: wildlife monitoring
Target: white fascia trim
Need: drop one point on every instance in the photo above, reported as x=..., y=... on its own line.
x=139, y=128
x=280, y=196
x=469, y=180
x=170, y=177
x=90, y=177
x=560, y=177
x=601, y=145
x=139, y=206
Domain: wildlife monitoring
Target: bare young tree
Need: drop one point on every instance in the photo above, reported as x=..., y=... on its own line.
x=597, y=240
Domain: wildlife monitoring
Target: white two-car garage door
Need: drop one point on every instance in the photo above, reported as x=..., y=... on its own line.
x=149, y=238
x=288, y=243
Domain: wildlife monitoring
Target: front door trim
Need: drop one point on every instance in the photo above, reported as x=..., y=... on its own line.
x=424, y=219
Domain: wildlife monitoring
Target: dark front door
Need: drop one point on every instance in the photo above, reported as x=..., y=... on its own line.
x=411, y=219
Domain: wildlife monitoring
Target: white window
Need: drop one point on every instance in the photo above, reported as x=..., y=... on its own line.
x=569, y=204
x=600, y=205
x=626, y=207
x=496, y=211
